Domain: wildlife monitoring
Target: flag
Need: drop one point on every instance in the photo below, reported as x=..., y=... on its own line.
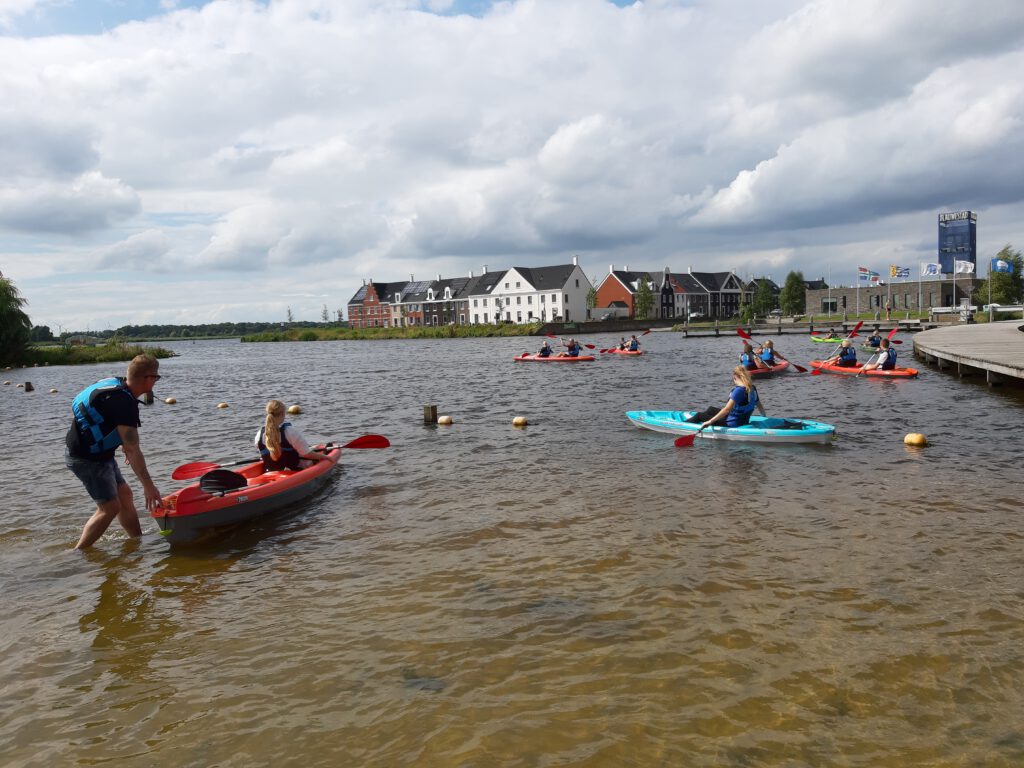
x=963, y=267
x=901, y=272
x=930, y=269
x=998, y=265
x=863, y=273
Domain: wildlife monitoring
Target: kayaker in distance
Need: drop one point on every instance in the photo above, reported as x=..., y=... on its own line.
x=736, y=412
x=874, y=340
x=545, y=350
x=622, y=344
x=572, y=349
x=846, y=357
x=281, y=445
x=106, y=415
x=749, y=359
x=634, y=344
x=768, y=354
x=886, y=358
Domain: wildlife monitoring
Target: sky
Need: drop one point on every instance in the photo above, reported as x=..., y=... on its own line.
x=199, y=162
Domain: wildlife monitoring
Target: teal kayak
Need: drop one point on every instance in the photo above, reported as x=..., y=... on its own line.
x=761, y=429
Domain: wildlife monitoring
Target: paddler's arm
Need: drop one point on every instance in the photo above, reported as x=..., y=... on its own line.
x=133, y=453
x=720, y=415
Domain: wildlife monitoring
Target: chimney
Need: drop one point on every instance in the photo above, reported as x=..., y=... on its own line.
x=575, y=261
x=625, y=267
x=412, y=278
x=485, y=270
x=689, y=270
x=611, y=268
x=364, y=282
x=439, y=277
x=471, y=274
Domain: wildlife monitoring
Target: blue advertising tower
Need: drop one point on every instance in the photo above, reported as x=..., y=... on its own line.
x=958, y=239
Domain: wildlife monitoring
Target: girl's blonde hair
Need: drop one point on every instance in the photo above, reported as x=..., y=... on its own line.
x=272, y=432
x=743, y=374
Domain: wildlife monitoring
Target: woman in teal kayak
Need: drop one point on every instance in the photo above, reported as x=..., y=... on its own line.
x=281, y=445
x=743, y=399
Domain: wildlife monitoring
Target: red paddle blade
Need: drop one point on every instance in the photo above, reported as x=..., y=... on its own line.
x=193, y=470
x=743, y=334
x=369, y=441
x=590, y=346
x=685, y=440
x=551, y=335
x=646, y=332
x=857, y=328
x=892, y=333
x=816, y=372
x=800, y=368
x=896, y=341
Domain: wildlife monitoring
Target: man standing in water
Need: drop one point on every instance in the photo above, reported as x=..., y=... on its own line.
x=106, y=415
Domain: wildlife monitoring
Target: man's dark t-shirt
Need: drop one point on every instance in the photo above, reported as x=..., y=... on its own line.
x=118, y=407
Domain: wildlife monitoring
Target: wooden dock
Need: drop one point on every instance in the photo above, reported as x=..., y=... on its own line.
x=994, y=349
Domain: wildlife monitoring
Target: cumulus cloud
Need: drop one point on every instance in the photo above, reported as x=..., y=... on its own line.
x=356, y=139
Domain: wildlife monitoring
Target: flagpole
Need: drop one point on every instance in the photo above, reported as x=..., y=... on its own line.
x=989, y=291
x=919, y=287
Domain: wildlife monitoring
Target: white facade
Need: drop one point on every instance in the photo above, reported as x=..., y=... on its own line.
x=514, y=297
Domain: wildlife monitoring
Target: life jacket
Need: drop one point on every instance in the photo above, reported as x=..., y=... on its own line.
x=768, y=356
x=747, y=360
x=890, y=360
x=634, y=345
x=544, y=352
x=289, y=458
x=96, y=433
x=847, y=355
x=875, y=341
x=574, y=350
x=740, y=414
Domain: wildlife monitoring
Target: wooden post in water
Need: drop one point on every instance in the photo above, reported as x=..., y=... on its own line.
x=430, y=414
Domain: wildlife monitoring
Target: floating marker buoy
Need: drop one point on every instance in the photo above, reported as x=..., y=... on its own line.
x=53, y=391
x=222, y=405
x=915, y=438
x=170, y=401
x=444, y=420
x=294, y=409
x=7, y=383
x=519, y=421
x=20, y=386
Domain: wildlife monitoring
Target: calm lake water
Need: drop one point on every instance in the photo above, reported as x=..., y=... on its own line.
x=576, y=593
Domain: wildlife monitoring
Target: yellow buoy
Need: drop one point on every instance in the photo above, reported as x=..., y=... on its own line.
x=444, y=419
x=222, y=405
x=519, y=421
x=170, y=401
x=294, y=409
x=915, y=438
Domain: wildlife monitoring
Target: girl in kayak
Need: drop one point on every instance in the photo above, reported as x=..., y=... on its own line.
x=847, y=356
x=749, y=359
x=742, y=401
x=768, y=354
x=886, y=358
x=281, y=445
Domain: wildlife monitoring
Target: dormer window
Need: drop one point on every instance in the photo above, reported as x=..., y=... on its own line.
x=430, y=295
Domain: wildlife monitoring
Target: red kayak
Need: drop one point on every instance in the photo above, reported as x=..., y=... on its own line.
x=528, y=358
x=624, y=352
x=896, y=373
x=202, y=507
x=778, y=367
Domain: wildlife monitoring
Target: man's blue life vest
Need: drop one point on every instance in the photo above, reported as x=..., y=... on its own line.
x=96, y=433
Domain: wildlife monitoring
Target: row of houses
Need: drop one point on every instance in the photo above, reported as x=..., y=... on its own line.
x=543, y=294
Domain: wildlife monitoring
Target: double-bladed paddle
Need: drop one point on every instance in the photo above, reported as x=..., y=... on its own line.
x=199, y=468
x=559, y=338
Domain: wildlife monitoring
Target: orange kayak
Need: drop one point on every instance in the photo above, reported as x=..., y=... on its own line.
x=896, y=373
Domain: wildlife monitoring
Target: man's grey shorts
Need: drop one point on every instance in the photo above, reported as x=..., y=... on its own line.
x=100, y=478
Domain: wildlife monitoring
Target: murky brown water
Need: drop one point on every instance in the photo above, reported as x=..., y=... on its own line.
x=578, y=593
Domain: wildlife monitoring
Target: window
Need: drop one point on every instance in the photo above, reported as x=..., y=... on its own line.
x=529, y=299
x=462, y=319
x=506, y=286
x=508, y=300
x=567, y=298
x=519, y=317
x=519, y=299
x=554, y=298
x=906, y=301
x=577, y=282
x=476, y=318
x=485, y=301
x=508, y=316
x=542, y=298
x=485, y=318
x=517, y=283
x=474, y=303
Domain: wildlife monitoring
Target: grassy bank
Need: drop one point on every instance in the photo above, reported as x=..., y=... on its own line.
x=112, y=351
x=417, y=332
